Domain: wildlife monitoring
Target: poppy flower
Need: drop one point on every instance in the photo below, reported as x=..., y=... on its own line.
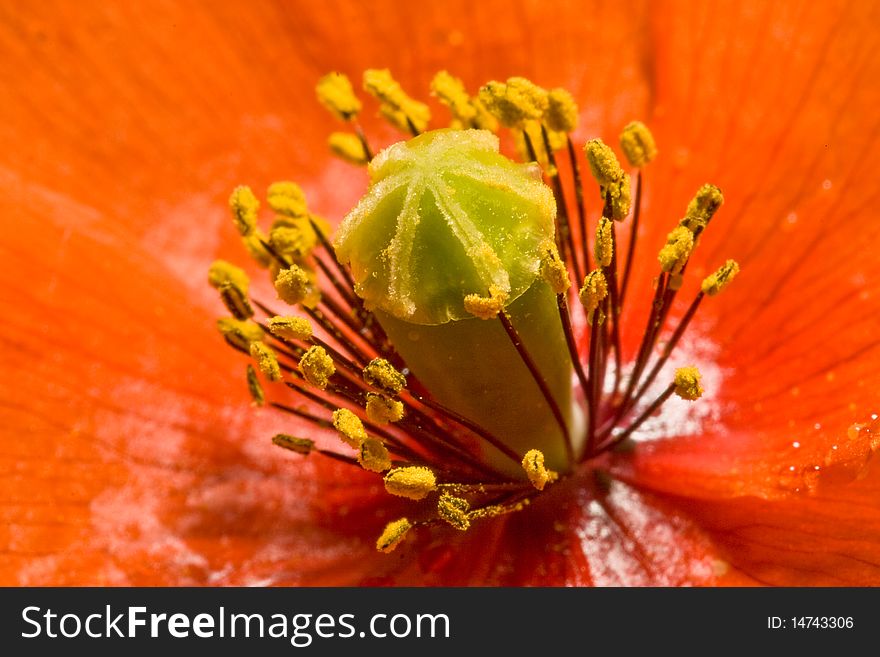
x=131, y=454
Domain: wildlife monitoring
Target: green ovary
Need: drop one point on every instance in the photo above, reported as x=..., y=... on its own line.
x=447, y=216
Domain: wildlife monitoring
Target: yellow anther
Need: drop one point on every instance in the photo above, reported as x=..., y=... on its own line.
x=266, y=360
x=317, y=367
x=287, y=199
x=393, y=534
x=302, y=446
x=254, y=387
x=451, y=92
x=603, y=163
x=593, y=293
x=554, y=271
x=382, y=410
x=253, y=244
x=687, y=383
x=637, y=144
x=293, y=285
x=483, y=119
x=714, y=283
x=335, y=92
x=232, y=284
x=533, y=464
x=678, y=248
x=514, y=102
x=290, y=328
x=244, y=206
x=486, y=307
x=350, y=427
x=221, y=272
x=562, y=111
x=239, y=333
x=397, y=107
x=293, y=237
x=413, y=482
x=621, y=198
x=603, y=249
x=348, y=147
x=454, y=510
x=381, y=374
x=702, y=208
x=373, y=456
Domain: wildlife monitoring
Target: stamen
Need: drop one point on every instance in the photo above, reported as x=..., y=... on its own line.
x=290, y=328
x=562, y=111
x=451, y=92
x=317, y=367
x=687, y=383
x=678, y=248
x=287, y=199
x=335, y=92
x=348, y=147
x=401, y=110
x=293, y=238
x=382, y=410
x=239, y=333
x=603, y=247
x=412, y=482
x=381, y=374
x=702, y=208
x=714, y=283
x=637, y=144
x=254, y=245
x=267, y=361
x=244, y=206
x=254, y=387
x=350, y=427
x=486, y=307
x=295, y=286
x=302, y=446
x=373, y=456
x=393, y=534
x=592, y=294
x=514, y=102
x=533, y=464
x=554, y=271
x=454, y=510
x=613, y=182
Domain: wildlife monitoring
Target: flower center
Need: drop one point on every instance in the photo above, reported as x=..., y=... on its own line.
x=439, y=339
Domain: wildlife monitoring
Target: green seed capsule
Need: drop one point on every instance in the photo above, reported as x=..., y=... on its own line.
x=447, y=216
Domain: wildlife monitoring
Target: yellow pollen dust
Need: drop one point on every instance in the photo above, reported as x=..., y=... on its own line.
x=614, y=183
x=454, y=510
x=562, y=111
x=239, y=333
x=254, y=245
x=244, y=206
x=254, y=387
x=714, y=283
x=381, y=374
x=266, y=360
x=702, y=208
x=603, y=249
x=486, y=307
x=287, y=199
x=396, y=106
x=678, y=248
x=348, y=147
x=382, y=410
x=637, y=144
x=451, y=92
x=293, y=237
x=294, y=285
x=222, y=273
x=317, y=367
x=302, y=446
x=335, y=92
x=413, y=482
x=373, y=456
x=554, y=271
x=393, y=534
x=687, y=383
x=593, y=293
x=290, y=328
x=533, y=464
x=514, y=102
x=350, y=427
